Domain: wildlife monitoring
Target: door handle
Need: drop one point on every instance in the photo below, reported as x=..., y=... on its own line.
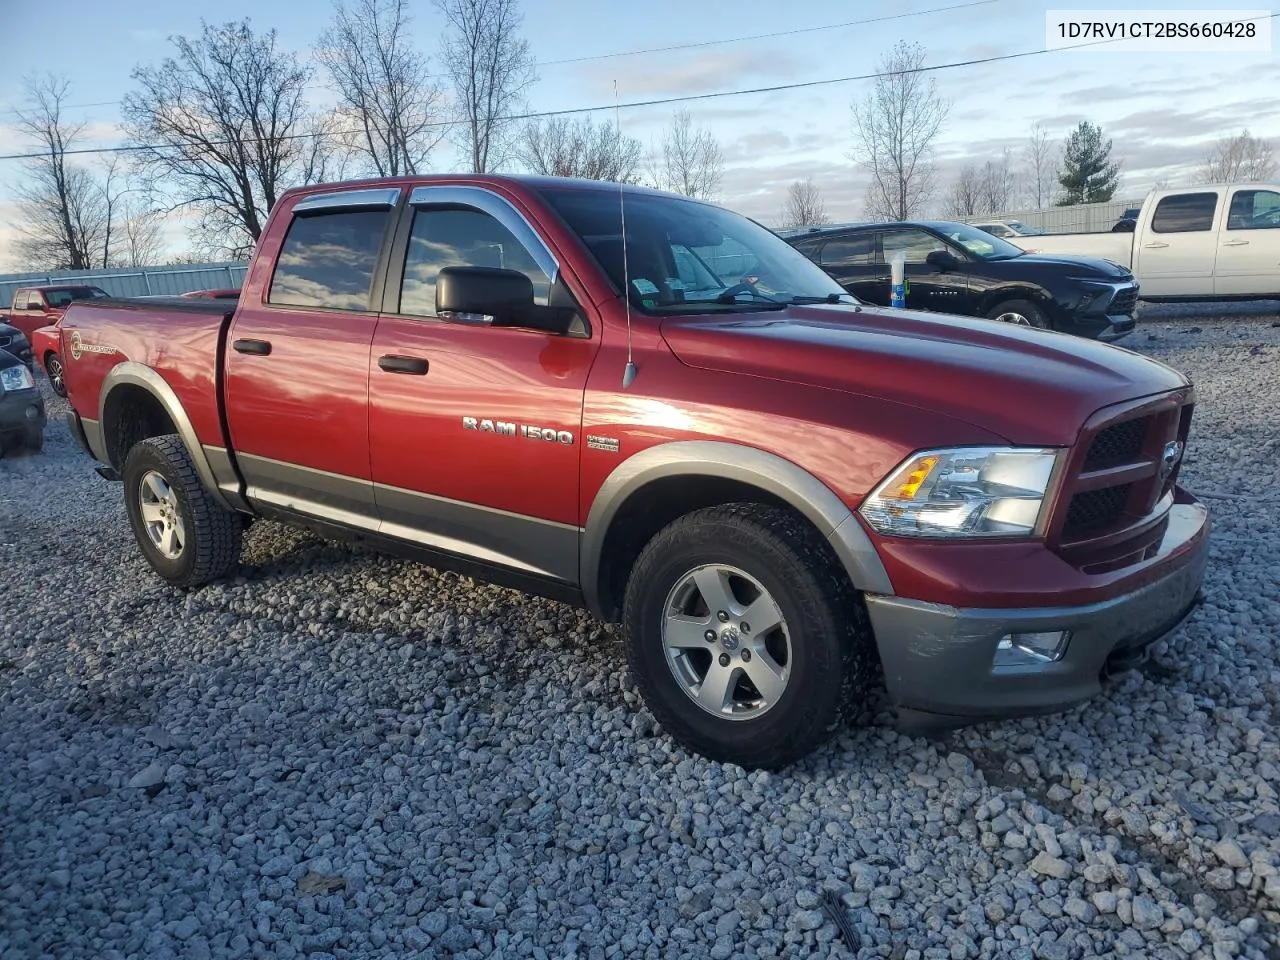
x=1236, y=243
x=1155, y=245
x=412, y=365
x=260, y=347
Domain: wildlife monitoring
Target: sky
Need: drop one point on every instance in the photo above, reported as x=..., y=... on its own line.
x=1163, y=110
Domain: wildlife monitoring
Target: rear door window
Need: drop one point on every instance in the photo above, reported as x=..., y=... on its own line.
x=1185, y=213
x=328, y=260
x=854, y=251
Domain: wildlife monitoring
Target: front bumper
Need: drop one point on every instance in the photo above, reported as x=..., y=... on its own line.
x=939, y=660
x=1118, y=327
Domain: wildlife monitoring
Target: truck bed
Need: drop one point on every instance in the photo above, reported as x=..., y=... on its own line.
x=1116, y=247
x=180, y=338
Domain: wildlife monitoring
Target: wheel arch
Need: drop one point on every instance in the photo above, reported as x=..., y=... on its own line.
x=132, y=389
x=1022, y=290
x=650, y=489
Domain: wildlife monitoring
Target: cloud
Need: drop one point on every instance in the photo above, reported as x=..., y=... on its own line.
x=697, y=73
x=760, y=192
x=757, y=144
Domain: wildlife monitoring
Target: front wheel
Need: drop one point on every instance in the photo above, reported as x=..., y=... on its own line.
x=188, y=537
x=1022, y=313
x=744, y=636
x=53, y=368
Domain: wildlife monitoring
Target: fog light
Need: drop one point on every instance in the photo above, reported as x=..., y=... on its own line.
x=1027, y=649
x=33, y=413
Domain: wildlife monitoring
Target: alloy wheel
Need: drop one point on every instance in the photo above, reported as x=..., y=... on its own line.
x=726, y=642
x=161, y=516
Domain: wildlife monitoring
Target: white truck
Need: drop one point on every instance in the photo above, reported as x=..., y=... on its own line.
x=1214, y=242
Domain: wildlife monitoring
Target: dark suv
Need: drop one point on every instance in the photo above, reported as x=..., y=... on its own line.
x=957, y=268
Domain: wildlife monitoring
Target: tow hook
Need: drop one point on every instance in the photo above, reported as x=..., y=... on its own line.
x=106, y=473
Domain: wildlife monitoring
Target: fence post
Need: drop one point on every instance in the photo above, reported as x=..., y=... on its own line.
x=146, y=281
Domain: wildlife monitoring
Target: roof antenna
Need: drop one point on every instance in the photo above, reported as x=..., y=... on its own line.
x=629, y=372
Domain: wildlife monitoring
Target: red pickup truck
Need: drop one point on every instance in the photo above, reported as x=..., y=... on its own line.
x=686, y=427
x=36, y=307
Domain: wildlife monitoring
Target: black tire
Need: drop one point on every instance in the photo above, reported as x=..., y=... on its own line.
x=1032, y=313
x=53, y=370
x=210, y=547
x=831, y=653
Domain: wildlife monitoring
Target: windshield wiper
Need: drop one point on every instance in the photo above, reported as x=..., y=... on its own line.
x=715, y=306
x=733, y=297
x=829, y=298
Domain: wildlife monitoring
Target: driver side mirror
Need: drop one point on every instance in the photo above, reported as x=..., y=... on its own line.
x=942, y=260
x=502, y=298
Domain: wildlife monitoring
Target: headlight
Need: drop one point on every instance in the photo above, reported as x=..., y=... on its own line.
x=1093, y=291
x=16, y=378
x=963, y=492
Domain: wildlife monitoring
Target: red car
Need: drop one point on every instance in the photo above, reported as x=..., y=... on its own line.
x=44, y=347
x=690, y=429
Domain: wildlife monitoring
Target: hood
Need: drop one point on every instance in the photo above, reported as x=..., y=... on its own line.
x=1067, y=266
x=1026, y=385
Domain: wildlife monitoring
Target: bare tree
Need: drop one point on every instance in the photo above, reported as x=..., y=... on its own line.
x=560, y=147
x=491, y=67
x=1041, y=167
x=383, y=85
x=894, y=130
x=965, y=196
x=224, y=127
x=141, y=238
x=804, y=206
x=995, y=182
x=62, y=211
x=983, y=190
x=1239, y=159
x=689, y=161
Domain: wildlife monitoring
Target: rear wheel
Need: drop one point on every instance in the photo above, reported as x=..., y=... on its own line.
x=1022, y=313
x=188, y=537
x=53, y=368
x=744, y=636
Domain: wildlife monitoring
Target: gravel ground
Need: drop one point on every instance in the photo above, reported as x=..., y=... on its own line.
x=341, y=755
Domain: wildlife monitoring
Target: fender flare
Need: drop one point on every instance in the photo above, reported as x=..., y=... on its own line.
x=132, y=373
x=711, y=458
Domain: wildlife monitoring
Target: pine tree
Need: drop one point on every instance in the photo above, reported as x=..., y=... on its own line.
x=1089, y=175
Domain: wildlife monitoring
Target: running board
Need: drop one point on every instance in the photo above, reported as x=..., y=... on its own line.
x=106, y=473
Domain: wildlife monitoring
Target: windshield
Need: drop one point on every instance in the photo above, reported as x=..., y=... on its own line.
x=979, y=243
x=683, y=256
